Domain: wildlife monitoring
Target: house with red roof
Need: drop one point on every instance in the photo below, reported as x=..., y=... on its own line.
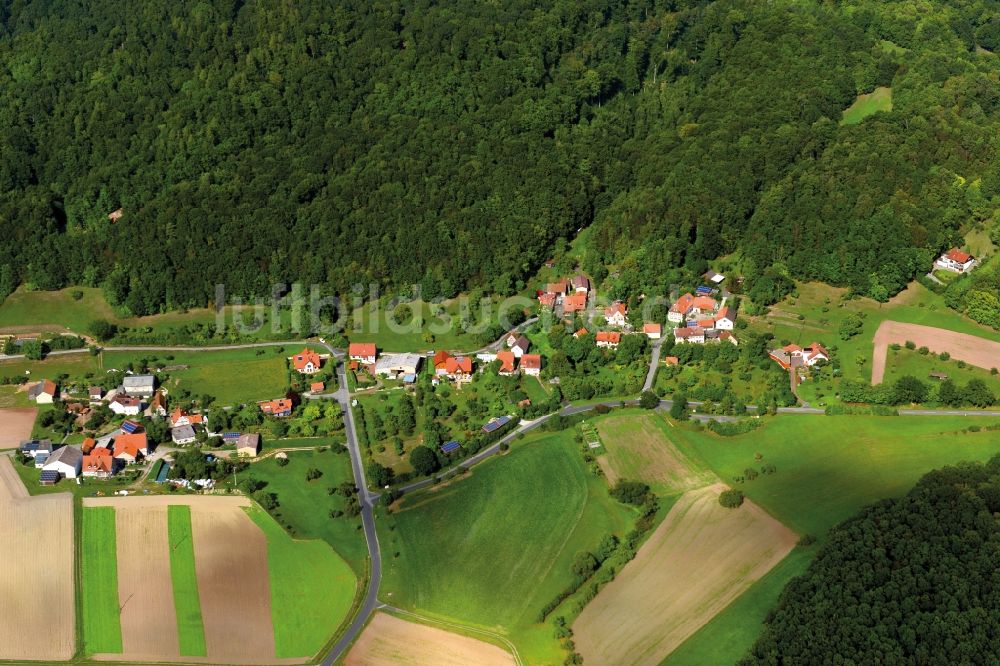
x=575, y=302
x=725, y=318
x=680, y=309
x=671, y=360
x=130, y=448
x=99, y=463
x=280, y=408
x=506, y=359
x=362, y=352
x=458, y=367
x=615, y=314
x=317, y=387
x=125, y=405
x=703, y=305
x=307, y=362
x=652, y=330
x=579, y=334
x=693, y=334
x=158, y=405
x=547, y=300
x=179, y=417
x=608, y=339
x=44, y=392
x=558, y=289
x=793, y=356
x=531, y=364
x=956, y=260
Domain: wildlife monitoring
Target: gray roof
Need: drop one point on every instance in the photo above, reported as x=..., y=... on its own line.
x=397, y=362
x=182, y=432
x=37, y=445
x=522, y=342
x=69, y=455
x=139, y=382
x=251, y=439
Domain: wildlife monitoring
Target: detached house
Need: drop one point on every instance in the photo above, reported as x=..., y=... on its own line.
x=99, y=463
x=559, y=289
x=680, y=309
x=575, y=302
x=43, y=393
x=615, y=314
x=182, y=435
x=125, y=405
x=158, y=405
x=956, y=260
x=507, y=360
x=139, y=385
x=531, y=364
x=95, y=393
x=725, y=319
x=653, y=331
x=307, y=362
x=793, y=356
x=608, y=339
x=362, y=352
x=519, y=346
x=581, y=284
x=281, y=407
x=131, y=448
x=694, y=334
x=182, y=418
x=547, y=300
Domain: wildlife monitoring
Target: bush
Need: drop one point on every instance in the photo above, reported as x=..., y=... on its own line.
x=313, y=473
x=731, y=499
x=282, y=462
x=630, y=492
x=648, y=400
x=910, y=344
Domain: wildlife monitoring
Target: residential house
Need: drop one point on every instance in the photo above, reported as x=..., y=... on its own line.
x=440, y=362
x=793, y=356
x=307, y=362
x=725, y=318
x=95, y=393
x=398, y=365
x=956, y=260
x=727, y=336
x=547, y=300
x=362, y=352
x=182, y=435
x=131, y=448
x=317, y=387
x=706, y=323
x=702, y=305
x=559, y=289
x=158, y=405
x=680, y=309
x=671, y=360
x=653, y=331
x=281, y=407
x=99, y=464
x=66, y=460
x=520, y=346
x=142, y=386
x=38, y=449
x=458, y=367
x=579, y=334
x=248, y=445
x=44, y=392
x=125, y=405
x=615, y=314
x=575, y=302
x=694, y=334
x=581, y=284
x=179, y=417
x=608, y=339
x=506, y=359
x=531, y=364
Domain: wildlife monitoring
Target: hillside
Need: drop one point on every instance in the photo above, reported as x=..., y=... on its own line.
x=461, y=145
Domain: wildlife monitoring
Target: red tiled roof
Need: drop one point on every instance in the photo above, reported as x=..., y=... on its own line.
x=506, y=359
x=130, y=444
x=531, y=362
x=704, y=302
x=305, y=357
x=556, y=287
x=672, y=360
x=362, y=349
x=958, y=256
x=652, y=328
x=723, y=313
x=98, y=461
x=582, y=332
x=317, y=387
x=683, y=304
x=88, y=445
x=609, y=336
x=575, y=302
x=706, y=323
x=462, y=364
x=547, y=300
x=275, y=406
x=441, y=359
x=617, y=307
x=688, y=332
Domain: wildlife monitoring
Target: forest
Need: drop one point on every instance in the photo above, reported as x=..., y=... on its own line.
x=461, y=145
x=908, y=581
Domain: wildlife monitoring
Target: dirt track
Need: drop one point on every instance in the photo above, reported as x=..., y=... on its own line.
x=388, y=641
x=700, y=559
x=15, y=426
x=37, y=608
x=972, y=349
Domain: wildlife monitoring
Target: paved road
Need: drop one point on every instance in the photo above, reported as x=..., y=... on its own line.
x=654, y=361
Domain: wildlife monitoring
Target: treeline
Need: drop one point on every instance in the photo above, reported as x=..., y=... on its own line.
x=460, y=145
x=907, y=581
x=911, y=390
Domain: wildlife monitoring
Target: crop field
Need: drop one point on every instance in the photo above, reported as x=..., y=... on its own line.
x=865, y=105
x=102, y=630
x=500, y=529
x=37, y=579
x=389, y=640
x=16, y=425
x=639, y=448
x=700, y=558
x=190, y=627
x=962, y=347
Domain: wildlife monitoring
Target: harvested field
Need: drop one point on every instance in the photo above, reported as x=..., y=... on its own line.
x=145, y=590
x=388, y=640
x=698, y=561
x=35, y=530
x=15, y=426
x=972, y=349
x=638, y=448
x=214, y=502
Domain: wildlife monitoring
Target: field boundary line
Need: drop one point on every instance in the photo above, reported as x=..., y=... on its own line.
x=433, y=621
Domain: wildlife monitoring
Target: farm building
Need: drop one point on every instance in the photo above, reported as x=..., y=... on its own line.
x=67, y=461
x=183, y=434
x=43, y=393
x=248, y=445
x=140, y=385
x=396, y=365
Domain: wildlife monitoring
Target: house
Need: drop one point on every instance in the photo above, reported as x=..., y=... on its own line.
x=793, y=356
x=694, y=334
x=506, y=359
x=707, y=324
x=547, y=300
x=608, y=339
x=440, y=362
x=307, y=362
x=158, y=405
x=395, y=365
x=581, y=285
x=703, y=305
x=653, y=331
x=99, y=464
x=579, y=334
x=139, y=385
x=615, y=314
x=131, y=448
x=95, y=393
x=317, y=387
x=281, y=407
x=39, y=449
x=956, y=260
x=88, y=445
x=725, y=318
x=43, y=393
x=713, y=277
x=362, y=352
x=531, y=364
x=125, y=405
x=67, y=461
x=182, y=435
x=671, y=360
x=575, y=302
x=680, y=309
x=248, y=445
x=458, y=367
x=182, y=418
x=560, y=288
x=726, y=336
x=520, y=346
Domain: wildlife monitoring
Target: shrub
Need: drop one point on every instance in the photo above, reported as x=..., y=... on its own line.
x=313, y=473
x=910, y=344
x=731, y=499
x=923, y=351
x=630, y=492
x=282, y=462
x=944, y=356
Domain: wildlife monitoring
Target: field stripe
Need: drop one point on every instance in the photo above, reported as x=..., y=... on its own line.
x=102, y=631
x=190, y=629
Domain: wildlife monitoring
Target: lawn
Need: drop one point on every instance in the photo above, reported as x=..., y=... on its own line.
x=10, y=396
x=102, y=630
x=372, y=323
x=504, y=538
x=308, y=581
x=904, y=361
x=72, y=365
x=190, y=630
x=868, y=104
x=305, y=506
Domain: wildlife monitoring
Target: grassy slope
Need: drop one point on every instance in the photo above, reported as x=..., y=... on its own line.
x=504, y=540
x=308, y=581
x=190, y=630
x=102, y=630
x=305, y=505
x=865, y=105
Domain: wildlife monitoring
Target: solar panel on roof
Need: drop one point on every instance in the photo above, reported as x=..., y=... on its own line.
x=448, y=447
x=49, y=475
x=704, y=289
x=130, y=427
x=230, y=435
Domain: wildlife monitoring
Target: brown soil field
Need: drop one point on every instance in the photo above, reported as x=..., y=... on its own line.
x=233, y=585
x=637, y=448
x=145, y=589
x=974, y=350
x=15, y=426
x=211, y=502
x=700, y=559
x=37, y=614
x=389, y=641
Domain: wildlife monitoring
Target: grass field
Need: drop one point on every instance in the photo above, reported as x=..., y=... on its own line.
x=514, y=526
x=371, y=323
x=72, y=365
x=102, y=630
x=904, y=361
x=308, y=581
x=190, y=630
x=304, y=507
x=865, y=105
x=11, y=397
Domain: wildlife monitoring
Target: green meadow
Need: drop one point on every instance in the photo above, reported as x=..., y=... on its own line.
x=308, y=581
x=905, y=361
x=503, y=540
x=868, y=104
x=190, y=630
x=102, y=630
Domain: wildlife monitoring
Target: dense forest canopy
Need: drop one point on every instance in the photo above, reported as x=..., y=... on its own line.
x=908, y=581
x=460, y=144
